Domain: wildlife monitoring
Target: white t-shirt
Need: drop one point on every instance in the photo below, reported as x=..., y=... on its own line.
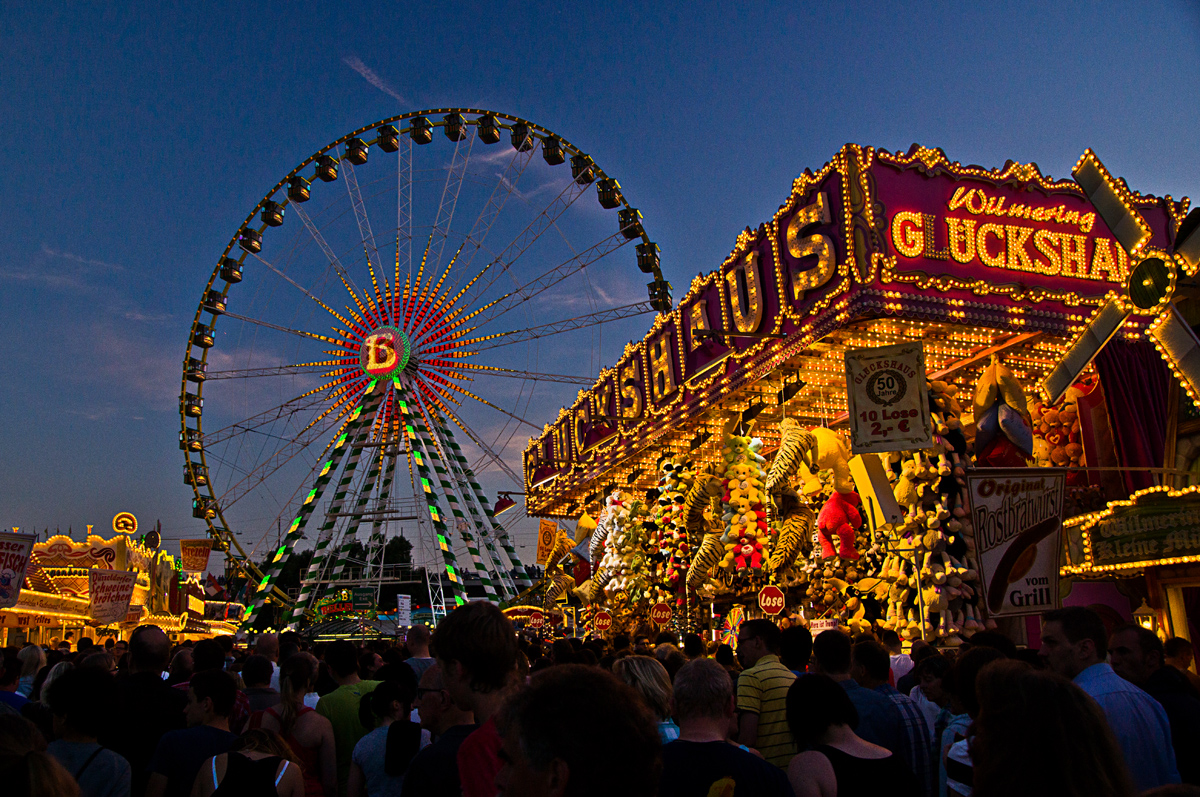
x=275, y=676
x=960, y=754
x=901, y=665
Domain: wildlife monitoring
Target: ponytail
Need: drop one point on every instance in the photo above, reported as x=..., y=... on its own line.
x=295, y=677
x=377, y=704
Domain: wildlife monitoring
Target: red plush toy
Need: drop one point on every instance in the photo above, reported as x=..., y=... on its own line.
x=839, y=516
x=1000, y=453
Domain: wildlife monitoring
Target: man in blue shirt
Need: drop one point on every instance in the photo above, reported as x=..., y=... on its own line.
x=870, y=665
x=879, y=721
x=1075, y=645
x=10, y=673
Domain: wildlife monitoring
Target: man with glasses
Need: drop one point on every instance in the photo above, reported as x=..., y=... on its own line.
x=434, y=770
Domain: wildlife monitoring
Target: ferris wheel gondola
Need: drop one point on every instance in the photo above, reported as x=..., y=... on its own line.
x=330, y=371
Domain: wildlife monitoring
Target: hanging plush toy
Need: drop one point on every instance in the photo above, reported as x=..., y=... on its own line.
x=839, y=518
x=703, y=530
x=1003, y=427
x=745, y=516
x=672, y=538
x=599, y=550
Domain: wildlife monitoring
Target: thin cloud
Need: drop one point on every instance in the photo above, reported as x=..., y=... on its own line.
x=96, y=265
x=152, y=318
x=355, y=63
x=61, y=270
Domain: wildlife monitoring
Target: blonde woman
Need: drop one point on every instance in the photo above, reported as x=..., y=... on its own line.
x=307, y=733
x=649, y=678
x=260, y=764
x=33, y=659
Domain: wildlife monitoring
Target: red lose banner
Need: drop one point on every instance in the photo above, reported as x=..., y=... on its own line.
x=537, y=620
x=602, y=621
x=660, y=613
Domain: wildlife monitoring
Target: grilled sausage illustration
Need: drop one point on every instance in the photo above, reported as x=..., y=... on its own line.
x=1018, y=559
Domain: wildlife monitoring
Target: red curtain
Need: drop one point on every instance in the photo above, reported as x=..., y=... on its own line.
x=1136, y=381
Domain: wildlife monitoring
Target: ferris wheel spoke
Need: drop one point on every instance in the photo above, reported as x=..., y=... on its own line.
x=279, y=370
x=486, y=450
x=279, y=458
x=541, y=283
x=450, y=192
x=491, y=370
x=334, y=262
x=556, y=327
x=301, y=288
x=299, y=332
x=505, y=187
x=500, y=265
x=403, y=213
x=427, y=314
x=368, y=237
x=287, y=410
x=469, y=394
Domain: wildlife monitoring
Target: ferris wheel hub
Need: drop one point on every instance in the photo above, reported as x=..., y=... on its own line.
x=385, y=351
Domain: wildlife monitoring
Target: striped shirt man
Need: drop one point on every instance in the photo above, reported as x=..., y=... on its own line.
x=762, y=690
x=916, y=742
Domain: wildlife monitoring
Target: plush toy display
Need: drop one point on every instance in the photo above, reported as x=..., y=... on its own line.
x=672, y=537
x=745, y=516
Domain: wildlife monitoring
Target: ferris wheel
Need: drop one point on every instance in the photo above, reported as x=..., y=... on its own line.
x=346, y=374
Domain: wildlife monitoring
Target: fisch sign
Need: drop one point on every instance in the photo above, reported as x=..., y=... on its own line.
x=14, y=561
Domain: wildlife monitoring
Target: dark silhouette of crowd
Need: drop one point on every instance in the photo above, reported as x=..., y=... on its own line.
x=476, y=709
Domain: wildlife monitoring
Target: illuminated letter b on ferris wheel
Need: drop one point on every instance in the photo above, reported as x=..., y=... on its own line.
x=381, y=353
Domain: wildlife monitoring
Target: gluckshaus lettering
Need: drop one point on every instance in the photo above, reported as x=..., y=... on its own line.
x=997, y=240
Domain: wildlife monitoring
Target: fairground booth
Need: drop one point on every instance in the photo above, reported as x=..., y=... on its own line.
x=920, y=396
x=68, y=589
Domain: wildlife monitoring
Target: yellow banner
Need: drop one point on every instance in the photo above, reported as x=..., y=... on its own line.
x=547, y=531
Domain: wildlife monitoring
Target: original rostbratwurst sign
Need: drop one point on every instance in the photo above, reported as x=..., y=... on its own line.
x=1016, y=514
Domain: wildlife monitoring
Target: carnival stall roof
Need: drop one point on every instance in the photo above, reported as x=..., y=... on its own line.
x=706, y=452
x=876, y=248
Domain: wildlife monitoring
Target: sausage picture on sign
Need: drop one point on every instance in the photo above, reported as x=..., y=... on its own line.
x=1016, y=515
x=1018, y=560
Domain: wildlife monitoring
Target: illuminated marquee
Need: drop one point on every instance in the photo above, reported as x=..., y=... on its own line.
x=982, y=228
x=871, y=233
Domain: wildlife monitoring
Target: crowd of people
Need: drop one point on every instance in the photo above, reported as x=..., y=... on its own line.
x=476, y=709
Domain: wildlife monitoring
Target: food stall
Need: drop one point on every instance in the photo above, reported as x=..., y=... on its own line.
x=55, y=602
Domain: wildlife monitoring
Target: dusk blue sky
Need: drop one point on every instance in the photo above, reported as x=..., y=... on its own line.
x=137, y=139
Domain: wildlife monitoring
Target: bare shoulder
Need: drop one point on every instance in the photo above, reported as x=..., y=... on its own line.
x=292, y=782
x=810, y=762
x=811, y=775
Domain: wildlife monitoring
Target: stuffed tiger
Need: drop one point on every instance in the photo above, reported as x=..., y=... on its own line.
x=591, y=590
x=794, y=533
x=705, y=487
x=559, y=580
x=708, y=557
x=794, y=442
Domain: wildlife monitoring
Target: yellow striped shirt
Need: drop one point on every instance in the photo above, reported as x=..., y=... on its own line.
x=762, y=690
